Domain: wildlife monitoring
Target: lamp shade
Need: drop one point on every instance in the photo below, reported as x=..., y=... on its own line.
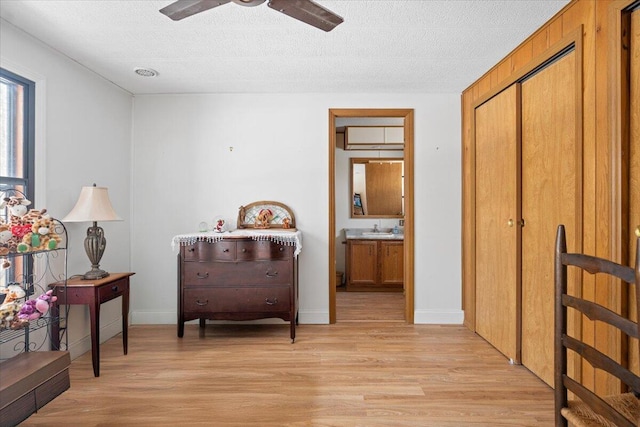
x=92, y=205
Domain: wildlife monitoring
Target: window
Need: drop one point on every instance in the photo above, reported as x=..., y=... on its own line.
x=17, y=106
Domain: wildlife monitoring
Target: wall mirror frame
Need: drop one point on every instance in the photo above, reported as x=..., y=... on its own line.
x=407, y=114
x=376, y=187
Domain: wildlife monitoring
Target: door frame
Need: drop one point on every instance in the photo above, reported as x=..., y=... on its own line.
x=407, y=115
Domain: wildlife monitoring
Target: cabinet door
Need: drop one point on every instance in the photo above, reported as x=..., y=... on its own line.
x=497, y=214
x=394, y=135
x=384, y=188
x=391, y=263
x=365, y=135
x=363, y=262
x=550, y=193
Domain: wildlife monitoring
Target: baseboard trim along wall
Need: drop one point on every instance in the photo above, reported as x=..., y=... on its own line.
x=426, y=317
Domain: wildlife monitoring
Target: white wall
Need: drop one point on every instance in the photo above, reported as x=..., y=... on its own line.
x=178, y=169
x=199, y=156
x=83, y=136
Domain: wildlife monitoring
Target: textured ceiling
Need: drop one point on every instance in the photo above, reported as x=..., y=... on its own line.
x=383, y=46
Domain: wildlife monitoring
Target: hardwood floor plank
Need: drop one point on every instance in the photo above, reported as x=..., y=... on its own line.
x=350, y=374
x=369, y=306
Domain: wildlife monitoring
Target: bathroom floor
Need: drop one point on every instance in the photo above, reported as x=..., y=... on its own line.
x=369, y=306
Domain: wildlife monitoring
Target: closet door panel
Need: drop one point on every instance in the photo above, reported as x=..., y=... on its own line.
x=634, y=164
x=549, y=196
x=496, y=215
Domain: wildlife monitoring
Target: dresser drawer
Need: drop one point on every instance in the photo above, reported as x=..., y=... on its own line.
x=262, y=250
x=204, y=251
x=236, y=273
x=113, y=290
x=270, y=299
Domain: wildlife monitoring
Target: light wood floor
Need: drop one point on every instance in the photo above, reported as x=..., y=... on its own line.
x=354, y=373
x=369, y=306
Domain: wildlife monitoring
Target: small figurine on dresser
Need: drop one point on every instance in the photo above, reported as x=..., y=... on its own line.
x=263, y=220
x=221, y=226
x=242, y=213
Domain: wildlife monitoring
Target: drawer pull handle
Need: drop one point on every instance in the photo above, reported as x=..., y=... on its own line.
x=269, y=302
x=281, y=249
x=202, y=275
x=192, y=249
x=205, y=302
x=272, y=274
x=225, y=250
x=244, y=250
x=115, y=288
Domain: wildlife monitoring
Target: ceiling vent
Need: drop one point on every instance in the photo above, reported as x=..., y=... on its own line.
x=146, y=72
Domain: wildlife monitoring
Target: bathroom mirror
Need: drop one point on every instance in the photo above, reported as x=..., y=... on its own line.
x=377, y=187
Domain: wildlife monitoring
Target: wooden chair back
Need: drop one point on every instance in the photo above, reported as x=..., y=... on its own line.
x=589, y=409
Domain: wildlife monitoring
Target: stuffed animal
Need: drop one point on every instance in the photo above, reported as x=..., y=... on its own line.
x=264, y=218
x=7, y=241
x=36, y=308
x=20, y=222
x=41, y=236
x=286, y=223
x=11, y=293
x=10, y=306
x=16, y=207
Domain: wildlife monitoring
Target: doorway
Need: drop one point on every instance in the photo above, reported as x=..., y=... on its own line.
x=408, y=262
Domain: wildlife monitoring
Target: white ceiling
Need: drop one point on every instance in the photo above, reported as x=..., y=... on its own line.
x=383, y=46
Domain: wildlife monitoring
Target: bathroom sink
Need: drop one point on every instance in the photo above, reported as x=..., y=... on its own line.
x=377, y=233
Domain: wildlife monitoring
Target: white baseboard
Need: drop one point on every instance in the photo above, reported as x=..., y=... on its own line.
x=171, y=317
x=312, y=317
x=438, y=317
x=83, y=345
x=153, y=317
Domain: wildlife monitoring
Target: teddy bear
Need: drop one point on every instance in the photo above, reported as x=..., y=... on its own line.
x=264, y=218
x=36, y=308
x=41, y=236
x=10, y=306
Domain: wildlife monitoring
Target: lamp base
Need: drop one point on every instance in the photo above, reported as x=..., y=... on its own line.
x=94, y=245
x=95, y=274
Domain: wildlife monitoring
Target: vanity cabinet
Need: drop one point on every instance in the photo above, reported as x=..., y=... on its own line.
x=362, y=263
x=391, y=263
x=375, y=264
x=237, y=279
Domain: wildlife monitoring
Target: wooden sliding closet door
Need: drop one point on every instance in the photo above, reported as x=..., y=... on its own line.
x=634, y=162
x=497, y=212
x=550, y=195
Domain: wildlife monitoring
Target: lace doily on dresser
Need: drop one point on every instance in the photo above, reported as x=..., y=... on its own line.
x=283, y=237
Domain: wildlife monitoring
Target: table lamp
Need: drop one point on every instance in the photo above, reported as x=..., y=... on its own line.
x=93, y=205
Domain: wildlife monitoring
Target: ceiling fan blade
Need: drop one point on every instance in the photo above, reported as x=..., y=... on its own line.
x=185, y=8
x=308, y=12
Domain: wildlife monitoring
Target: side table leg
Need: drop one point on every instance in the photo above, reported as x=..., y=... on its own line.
x=55, y=326
x=94, y=312
x=125, y=319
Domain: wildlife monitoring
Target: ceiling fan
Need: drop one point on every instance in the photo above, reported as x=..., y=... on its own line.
x=306, y=11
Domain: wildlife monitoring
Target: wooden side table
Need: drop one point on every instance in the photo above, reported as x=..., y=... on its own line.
x=93, y=293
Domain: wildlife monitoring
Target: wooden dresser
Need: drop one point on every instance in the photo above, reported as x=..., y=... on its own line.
x=237, y=278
